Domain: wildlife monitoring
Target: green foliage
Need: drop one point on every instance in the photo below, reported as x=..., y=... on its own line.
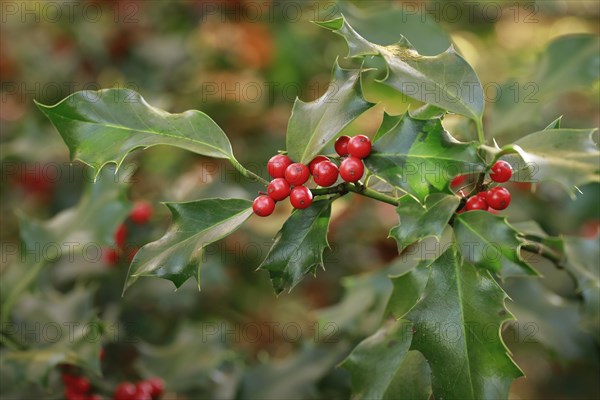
x=312, y=125
x=451, y=80
x=419, y=221
x=103, y=127
x=488, y=241
x=298, y=247
x=177, y=256
x=435, y=327
x=457, y=328
x=420, y=157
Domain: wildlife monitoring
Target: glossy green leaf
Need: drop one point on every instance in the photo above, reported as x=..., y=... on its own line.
x=457, y=326
x=567, y=156
x=102, y=127
x=408, y=288
x=445, y=80
x=298, y=247
x=418, y=221
x=554, y=124
x=312, y=125
x=488, y=241
x=420, y=157
x=374, y=362
x=412, y=380
x=90, y=223
x=178, y=255
x=582, y=261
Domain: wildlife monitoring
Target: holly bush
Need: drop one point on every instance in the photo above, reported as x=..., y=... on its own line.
x=432, y=322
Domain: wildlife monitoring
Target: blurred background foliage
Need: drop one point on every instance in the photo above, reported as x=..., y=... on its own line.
x=243, y=63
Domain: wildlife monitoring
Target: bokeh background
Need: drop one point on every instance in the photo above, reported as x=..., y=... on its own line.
x=243, y=63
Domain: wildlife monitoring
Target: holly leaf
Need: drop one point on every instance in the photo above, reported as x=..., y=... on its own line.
x=408, y=288
x=178, y=254
x=567, y=156
x=418, y=221
x=457, y=326
x=412, y=380
x=374, y=362
x=298, y=247
x=488, y=241
x=582, y=257
x=445, y=80
x=92, y=221
x=312, y=125
x=420, y=157
x=102, y=127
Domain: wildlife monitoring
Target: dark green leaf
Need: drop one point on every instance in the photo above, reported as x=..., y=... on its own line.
x=408, y=288
x=488, y=241
x=418, y=221
x=298, y=247
x=412, y=380
x=102, y=127
x=457, y=328
x=446, y=80
x=420, y=157
x=312, y=125
x=177, y=255
x=567, y=156
x=374, y=362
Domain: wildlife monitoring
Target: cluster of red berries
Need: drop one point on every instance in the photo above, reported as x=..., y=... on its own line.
x=496, y=198
x=140, y=215
x=78, y=387
x=143, y=390
x=290, y=177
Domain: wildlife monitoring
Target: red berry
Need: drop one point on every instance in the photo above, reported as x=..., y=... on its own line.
x=476, y=203
x=501, y=171
x=277, y=165
x=144, y=386
x=263, y=206
x=301, y=197
x=139, y=395
x=341, y=145
x=352, y=169
x=121, y=235
x=81, y=384
x=278, y=189
x=315, y=161
x=325, y=173
x=68, y=379
x=110, y=256
x=458, y=180
x=498, y=198
x=483, y=194
x=73, y=394
x=125, y=391
x=141, y=212
x=359, y=146
x=297, y=174
x=158, y=386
